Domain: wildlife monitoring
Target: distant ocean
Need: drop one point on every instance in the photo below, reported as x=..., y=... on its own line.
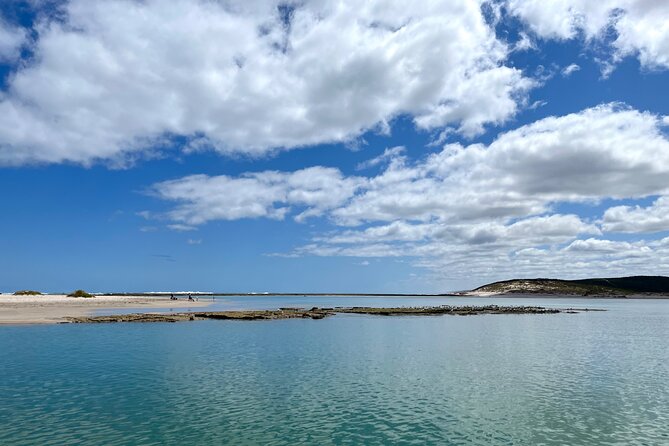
x=596, y=378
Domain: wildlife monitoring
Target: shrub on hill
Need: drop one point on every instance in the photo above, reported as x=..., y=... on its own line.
x=79, y=293
x=27, y=293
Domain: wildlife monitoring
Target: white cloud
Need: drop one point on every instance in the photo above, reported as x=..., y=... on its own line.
x=11, y=40
x=395, y=231
x=641, y=26
x=479, y=210
x=116, y=78
x=598, y=246
x=636, y=219
x=191, y=241
x=268, y=194
x=550, y=229
x=524, y=43
x=570, y=69
x=389, y=154
x=469, y=265
x=583, y=258
x=537, y=104
x=606, y=151
x=563, y=19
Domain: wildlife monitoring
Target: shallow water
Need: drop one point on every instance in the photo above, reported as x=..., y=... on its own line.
x=270, y=302
x=588, y=378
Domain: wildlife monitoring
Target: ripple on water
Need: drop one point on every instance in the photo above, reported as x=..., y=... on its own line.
x=591, y=378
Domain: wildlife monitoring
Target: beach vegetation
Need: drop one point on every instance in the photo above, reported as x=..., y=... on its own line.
x=79, y=293
x=27, y=293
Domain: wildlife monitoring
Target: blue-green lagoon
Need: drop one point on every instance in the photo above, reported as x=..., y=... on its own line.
x=564, y=379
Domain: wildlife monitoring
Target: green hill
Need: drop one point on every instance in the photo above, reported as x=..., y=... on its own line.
x=615, y=286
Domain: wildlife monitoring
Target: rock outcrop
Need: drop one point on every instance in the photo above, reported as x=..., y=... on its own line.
x=318, y=313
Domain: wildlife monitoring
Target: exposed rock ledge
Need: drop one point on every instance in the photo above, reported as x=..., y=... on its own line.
x=319, y=313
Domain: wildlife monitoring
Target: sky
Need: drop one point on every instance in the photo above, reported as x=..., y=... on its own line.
x=331, y=146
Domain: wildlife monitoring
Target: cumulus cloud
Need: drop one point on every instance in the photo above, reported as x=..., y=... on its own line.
x=11, y=40
x=268, y=194
x=609, y=151
x=116, y=78
x=641, y=26
x=488, y=207
x=605, y=151
x=597, y=246
x=636, y=219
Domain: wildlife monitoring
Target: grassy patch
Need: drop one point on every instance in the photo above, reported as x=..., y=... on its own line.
x=79, y=293
x=27, y=293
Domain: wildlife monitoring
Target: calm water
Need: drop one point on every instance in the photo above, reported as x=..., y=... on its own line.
x=589, y=378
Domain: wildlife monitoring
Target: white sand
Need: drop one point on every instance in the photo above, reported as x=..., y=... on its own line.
x=54, y=308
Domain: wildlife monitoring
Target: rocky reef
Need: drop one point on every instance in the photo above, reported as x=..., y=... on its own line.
x=318, y=313
x=447, y=309
x=250, y=315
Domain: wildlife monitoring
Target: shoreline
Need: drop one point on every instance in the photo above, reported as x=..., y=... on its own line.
x=55, y=308
x=471, y=293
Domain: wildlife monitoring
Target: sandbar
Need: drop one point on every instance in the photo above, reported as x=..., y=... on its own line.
x=56, y=308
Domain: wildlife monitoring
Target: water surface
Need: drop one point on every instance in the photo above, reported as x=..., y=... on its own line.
x=588, y=378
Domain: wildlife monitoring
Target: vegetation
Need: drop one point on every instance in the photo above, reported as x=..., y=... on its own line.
x=618, y=286
x=79, y=293
x=27, y=293
x=638, y=284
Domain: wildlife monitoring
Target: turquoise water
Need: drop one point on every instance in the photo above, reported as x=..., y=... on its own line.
x=588, y=378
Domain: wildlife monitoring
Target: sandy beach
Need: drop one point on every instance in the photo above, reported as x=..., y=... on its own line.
x=54, y=308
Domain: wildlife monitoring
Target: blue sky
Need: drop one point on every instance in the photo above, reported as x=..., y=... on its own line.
x=270, y=146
